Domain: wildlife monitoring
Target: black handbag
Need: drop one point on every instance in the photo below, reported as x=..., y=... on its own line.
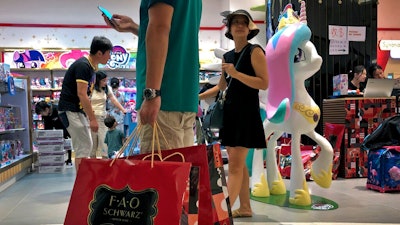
x=214, y=118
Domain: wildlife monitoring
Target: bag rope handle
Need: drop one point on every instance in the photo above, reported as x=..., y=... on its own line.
x=156, y=140
x=135, y=136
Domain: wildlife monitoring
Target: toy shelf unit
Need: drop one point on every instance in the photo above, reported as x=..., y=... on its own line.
x=15, y=134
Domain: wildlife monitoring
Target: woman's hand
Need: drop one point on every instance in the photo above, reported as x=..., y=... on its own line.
x=230, y=69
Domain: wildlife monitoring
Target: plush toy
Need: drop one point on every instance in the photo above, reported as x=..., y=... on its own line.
x=291, y=59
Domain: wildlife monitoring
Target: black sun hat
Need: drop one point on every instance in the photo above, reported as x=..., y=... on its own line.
x=252, y=26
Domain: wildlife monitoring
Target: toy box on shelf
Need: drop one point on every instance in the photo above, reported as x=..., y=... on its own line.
x=10, y=150
x=4, y=71
x=384, y=169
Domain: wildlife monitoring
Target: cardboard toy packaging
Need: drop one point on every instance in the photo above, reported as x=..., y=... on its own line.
x=340, y=84
x=384, y=169
x=4, y=71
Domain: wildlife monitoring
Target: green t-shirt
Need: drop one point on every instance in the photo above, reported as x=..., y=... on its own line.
x=180, y=85
x=114, y=140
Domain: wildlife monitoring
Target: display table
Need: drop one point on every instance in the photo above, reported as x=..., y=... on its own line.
x=361, y=116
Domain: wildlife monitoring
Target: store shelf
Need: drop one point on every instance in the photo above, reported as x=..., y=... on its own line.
x=11, y=131
x=46, y=89
x=5, y=165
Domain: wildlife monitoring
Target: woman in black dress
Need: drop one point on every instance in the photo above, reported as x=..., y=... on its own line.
x=244, y=70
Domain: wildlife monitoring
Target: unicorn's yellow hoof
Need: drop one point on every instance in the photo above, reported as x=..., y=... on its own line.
x=278, y=187
x=324, y=179
x=302, y=198
x=261, y=189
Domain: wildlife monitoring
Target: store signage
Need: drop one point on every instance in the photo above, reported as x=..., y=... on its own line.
x=121, y=58
x=395, y=53
x=386, y=45
x=31, y=58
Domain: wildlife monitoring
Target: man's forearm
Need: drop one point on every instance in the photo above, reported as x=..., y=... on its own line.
x=157, y=48
x=87, y=107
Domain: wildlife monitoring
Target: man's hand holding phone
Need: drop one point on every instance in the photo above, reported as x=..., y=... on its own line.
x=120, y=23
x=108, y=17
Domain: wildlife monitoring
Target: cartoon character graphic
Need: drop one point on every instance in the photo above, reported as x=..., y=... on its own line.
x=394, y=173
x=28, y=59
x=67, y=58
x=291, y=59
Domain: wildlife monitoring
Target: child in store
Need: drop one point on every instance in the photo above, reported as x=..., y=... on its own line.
x=114, y=137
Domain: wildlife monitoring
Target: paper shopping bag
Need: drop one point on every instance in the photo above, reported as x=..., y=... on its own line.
x=221, y=211
x=219, y=188
x=128, y=192
x=207, y=194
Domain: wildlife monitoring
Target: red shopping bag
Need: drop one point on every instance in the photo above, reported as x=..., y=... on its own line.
x=128, y=192
x=334, y=134
x=206, y=201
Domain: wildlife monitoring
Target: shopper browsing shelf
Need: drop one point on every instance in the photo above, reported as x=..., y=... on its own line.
x=74, y=107
x=101, y=93
x=51, y=120
x=49, y=114
x=167, y=72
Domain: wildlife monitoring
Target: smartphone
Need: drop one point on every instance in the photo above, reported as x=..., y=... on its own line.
x=107, y=14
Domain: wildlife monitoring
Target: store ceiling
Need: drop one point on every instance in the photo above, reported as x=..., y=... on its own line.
x=86, y=12
x=78, y=11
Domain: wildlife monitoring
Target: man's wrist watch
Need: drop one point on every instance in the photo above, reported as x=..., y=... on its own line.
x=150, y=93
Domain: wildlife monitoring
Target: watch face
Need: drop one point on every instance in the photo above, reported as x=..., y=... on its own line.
x=148, y=94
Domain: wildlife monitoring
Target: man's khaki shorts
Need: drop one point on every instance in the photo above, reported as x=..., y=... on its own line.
x=177, y=128
x=78, y=127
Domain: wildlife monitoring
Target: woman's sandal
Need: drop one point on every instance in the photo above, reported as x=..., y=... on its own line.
x=237, y=214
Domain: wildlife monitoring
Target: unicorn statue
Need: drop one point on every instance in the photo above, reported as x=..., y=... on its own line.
x=291, y=59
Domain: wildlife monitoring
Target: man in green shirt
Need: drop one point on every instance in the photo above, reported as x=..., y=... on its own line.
x=167, y=68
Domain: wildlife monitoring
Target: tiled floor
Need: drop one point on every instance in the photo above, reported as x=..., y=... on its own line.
x=42, y=199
